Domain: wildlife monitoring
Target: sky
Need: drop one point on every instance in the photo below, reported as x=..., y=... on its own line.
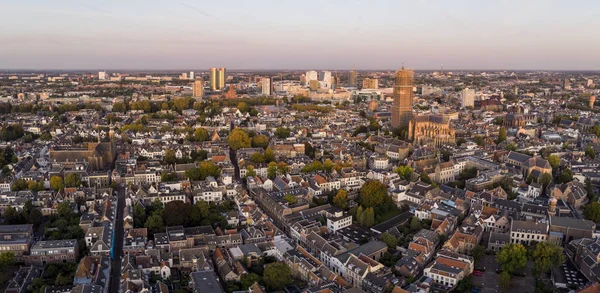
x=307, y=34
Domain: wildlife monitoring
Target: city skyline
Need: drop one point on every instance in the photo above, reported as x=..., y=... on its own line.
x=338, y=35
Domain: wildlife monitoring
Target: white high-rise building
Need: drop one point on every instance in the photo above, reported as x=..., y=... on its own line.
x=467, y=97
x=266, y=86
x=102, y=75
x=191, y=75
x=325, y=79
x=311, y=75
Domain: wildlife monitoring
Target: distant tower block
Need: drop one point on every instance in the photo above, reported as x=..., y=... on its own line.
x=592, y=101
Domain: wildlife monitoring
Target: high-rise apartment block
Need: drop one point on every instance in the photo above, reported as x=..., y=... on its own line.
x=266, y=86
x=102, y=75
x=352, y=79
x=213, y=79
x=467, y=98
x=221, y=78
x=370, y=83
x=191, y=75
x=403, y=98
x=198, y=89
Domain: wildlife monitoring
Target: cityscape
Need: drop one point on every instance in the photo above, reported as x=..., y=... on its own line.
x=294, y=177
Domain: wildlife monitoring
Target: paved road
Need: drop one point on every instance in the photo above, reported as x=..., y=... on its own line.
x=115, y=263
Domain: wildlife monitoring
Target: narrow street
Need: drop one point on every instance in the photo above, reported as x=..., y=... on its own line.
x=115, y=262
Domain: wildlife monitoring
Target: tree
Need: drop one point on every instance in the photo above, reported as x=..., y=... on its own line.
x=389, y=239
x=282, y=132
x=372, y=193
x=269, y=155
x=272, y=170
x=257, y=158
x=250, y=171
x=290, y=199
x=283, y=168
x=415, y=225
x=72, y=180
x=368, y=217
x=243, y=107
x=478, y=252
x=590, y=152
x=359, y=212
x=139, y=216
x=501, y=135
x=169, y=157
x=35, y=217
x=239, y=139
x=35, y=186
x=512, y=146
x=277, y=276
x=200, y=134
x=545, y=179
x=547, y=255
x=479, y=140
x=425, y=178
x=64, y=210
x=405, y=172
x=565, y=176
x=340, y=200
x=592, y=211
x=512, y=257
x=11, y=216
x=554, y=161
x=328, y=166
x=19, y=184
x=260, y=141
x=505, y=280
x=176, y=213
x=155, y=224
x=7, y=258
x=248, y=280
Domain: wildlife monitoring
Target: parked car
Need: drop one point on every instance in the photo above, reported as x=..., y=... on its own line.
x=475, y=290
x=477, y=273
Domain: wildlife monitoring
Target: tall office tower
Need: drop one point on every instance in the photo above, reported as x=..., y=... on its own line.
x=370, y=83
x=403, y=98
x=592, y=101
x=467, y=98
x=516, y=90
x=266, y=86
x=102, y=75
x=183, y=76
x=221, y=78
x=352, y=79
x=566, y=84
x=213, y=79
x=191, y=75
x=311, y=75
x=325, y=79
x=198, y=89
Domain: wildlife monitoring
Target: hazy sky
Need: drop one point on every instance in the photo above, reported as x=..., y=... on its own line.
x=284, y=34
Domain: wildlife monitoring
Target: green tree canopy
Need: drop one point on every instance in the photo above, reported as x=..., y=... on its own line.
x=405, y=172
x=389, y=239
x=592, y=211
x=239, y=139
x=340, y=200
x=478, y=252
x=513, y=257
x=260, y=141
x=547, y=255
x=72, y=180
x=373, y=193
x=200, y=134
x=277, y=276
x=554, y=161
